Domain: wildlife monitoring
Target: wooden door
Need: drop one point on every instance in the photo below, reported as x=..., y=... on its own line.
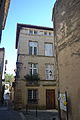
x=50, y=99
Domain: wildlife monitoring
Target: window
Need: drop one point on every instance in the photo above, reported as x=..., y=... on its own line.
x=33, y=68
x=45, y=33
x=49, y=72
x=48, y=49
x=30, y=32
x=50, y=33
x=35, y=32
x=33, y=48
x=32, y=96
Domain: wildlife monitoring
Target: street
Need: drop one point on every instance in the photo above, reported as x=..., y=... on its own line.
x=9, y=114
x=41, y=115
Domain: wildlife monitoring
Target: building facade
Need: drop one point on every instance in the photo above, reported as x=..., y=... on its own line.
x=4, y=6
x=2, y=52
x=35, y=73
x=66, y=20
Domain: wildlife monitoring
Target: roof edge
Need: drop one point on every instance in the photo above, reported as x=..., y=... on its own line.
x=20, y=26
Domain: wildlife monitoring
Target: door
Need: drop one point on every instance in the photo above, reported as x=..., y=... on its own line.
x=50, y=99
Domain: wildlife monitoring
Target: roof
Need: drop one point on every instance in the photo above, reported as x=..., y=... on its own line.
x=20, y=26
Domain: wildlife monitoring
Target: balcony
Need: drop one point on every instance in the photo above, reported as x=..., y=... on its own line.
x=32, y=79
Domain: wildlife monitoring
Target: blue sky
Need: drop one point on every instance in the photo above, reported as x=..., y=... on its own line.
x=35, y=12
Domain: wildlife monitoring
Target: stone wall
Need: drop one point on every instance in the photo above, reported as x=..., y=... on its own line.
x=66, y=19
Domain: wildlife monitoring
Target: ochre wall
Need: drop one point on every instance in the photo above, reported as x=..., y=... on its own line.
x=66, y=16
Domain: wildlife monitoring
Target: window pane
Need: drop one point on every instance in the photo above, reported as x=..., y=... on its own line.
x=48, y=50
x=35, y=32
x=35, y=65
x=30, y=31
x=33, y=96
x=50, y=33
x=29, y=94
x=30, y=50
x=35, y=71
x=33, y=48
x=30, y=71
x=45, y=33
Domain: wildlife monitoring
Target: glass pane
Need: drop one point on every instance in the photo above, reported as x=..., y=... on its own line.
x=30, y=71
x=35, y=71
x=34, y=94
x=30, y=31
x=35, y=32
x=30, y=50
x=30, y=65
x=48, y=50
x=29, y=94
x=35, y=65
x=35, y=50
x=45, y=33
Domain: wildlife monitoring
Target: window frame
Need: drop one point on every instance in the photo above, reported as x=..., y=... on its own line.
x=32, y=68
x=30, y=32
x=45, y=53
x=33, y=96
x=32, y=52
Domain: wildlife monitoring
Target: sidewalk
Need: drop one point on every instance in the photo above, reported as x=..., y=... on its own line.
x=41, y=115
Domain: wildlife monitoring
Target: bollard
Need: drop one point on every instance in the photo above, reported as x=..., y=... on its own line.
x=36, y=111
x=26, y=108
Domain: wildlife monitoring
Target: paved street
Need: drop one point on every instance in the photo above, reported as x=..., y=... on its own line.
x=8, y=114
x=41, y=115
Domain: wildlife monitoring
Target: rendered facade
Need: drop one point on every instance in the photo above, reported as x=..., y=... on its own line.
x=66, y=20
x=35, y=74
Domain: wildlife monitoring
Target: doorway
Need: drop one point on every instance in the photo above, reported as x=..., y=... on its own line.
x=50, y=98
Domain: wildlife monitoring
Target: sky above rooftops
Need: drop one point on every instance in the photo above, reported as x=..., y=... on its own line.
x=35, y=12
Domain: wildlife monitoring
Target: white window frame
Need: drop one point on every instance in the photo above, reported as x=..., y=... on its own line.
x=49, y=71
x=32, y=47
x=48, y=51
x=32, y=96
x=32, y=68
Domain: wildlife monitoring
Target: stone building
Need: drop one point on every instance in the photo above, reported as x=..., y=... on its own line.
x=66, y=20
x=2, y=52
x=35, y=56
x=4, y=6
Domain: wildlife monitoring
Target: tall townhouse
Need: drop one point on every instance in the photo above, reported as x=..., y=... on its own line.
x=2, y=52
x=66, y=20
x=35, y=71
